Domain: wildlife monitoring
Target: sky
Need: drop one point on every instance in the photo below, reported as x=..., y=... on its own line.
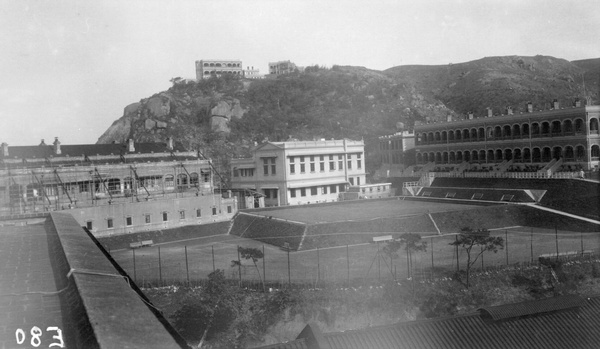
x=68, y=68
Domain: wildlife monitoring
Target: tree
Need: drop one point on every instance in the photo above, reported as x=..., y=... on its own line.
x=412, y=242
x=250, y=253
x=469, y=238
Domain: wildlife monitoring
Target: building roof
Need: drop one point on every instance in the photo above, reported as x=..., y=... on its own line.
x=54, y=276
x=559, y=322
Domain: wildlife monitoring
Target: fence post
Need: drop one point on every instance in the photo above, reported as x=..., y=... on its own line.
x=318, y=266
x=348, y=264
x=264, y=272
x=506, y=239
x=531, y=244
x=187, y=269
x=134, y=270
x=289, y=270
x=378, y=263
x=159, y=267
x=581, y=238
x=239, y=265
x=432, y=258
x=213, y=257
x=556, y=238
x=481, y=258
x=456, y=239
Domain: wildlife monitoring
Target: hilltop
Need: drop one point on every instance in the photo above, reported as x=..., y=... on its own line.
x=224, y=117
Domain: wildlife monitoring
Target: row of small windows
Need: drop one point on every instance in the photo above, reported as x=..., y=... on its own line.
x=391, y=145
x=536, y=154
x=148, y=217
x=543, y=129
x=313, y=191
x=229, y=65
x=218, y=72
x=330, y=161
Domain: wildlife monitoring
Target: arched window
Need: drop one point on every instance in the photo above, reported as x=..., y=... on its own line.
x=546, y=154
x=114, y=185
x=432, y=156
x=498, y=156
x=194, y=179
x=430, y=137
x=517, y=155
x=569, y=153
x=556, y=128
x=452, y=158
x=481, y=134
x=594, y=126
x=419, y=158
x=525, y=130
x=438, y=158
x=473, y=134
x=490, y=156
x=445, y=157
x=444, y=136
x=206, y=64
x=437, y=137
x=459, y=157
x=465, y=135
x=537, y=155
x=595, y=152
x=579, y=126
x=580, y=153
x=568, y=127
x=508, y=154
x=535, y=129
x=458, y=135
x=526, y=155
x=545, y=128
x=506, y=131
x=474, y=156
x=482, y=155
x=467, y=156
x=497, y=132
x=557, y=152
x=489, y=132
x=516, y=131
x=451, y=136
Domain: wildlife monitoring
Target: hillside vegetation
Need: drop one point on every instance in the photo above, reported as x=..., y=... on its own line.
x=224, y=117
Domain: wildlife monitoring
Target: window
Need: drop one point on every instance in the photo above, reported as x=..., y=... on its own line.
x=292, y=193
x=302, y=168
x=246, y=172
x=477, y=196
x=333, y=189
x=351, y=180
x=313, y=191
x=357, y=180
x=88, y=225
x=359, y=161
x=312, y=167
x=214, y=211
x=349, y=164
x=292, y=165
x=182, y=214
x=267, y=193
x=342, y=188
x=303, y=192
x=266, y=166
x=109, y=223
x=147, y=218
x=129, y=221
x=322, y=163
x=450, y=194
x=229, y=209
x=198, y=212
x=273, y=167
x=236, y=173
x=331, y=163
x=324, y=190
x=165, y=216
x=340, y=162
x=274, y=192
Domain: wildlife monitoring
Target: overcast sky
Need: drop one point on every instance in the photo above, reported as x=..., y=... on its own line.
x=68, y=68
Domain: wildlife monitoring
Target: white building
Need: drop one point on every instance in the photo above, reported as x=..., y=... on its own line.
x=301, y=172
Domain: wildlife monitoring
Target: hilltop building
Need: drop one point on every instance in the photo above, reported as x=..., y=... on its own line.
x=301, y=172
x=566, y=137
x=282, y=67
x=112, y=188
x=217, y=67
x=251, y=73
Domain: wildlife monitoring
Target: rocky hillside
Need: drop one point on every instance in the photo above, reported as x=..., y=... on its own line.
x=224, y=117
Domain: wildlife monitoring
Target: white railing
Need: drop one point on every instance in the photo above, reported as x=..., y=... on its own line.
x=520, y=175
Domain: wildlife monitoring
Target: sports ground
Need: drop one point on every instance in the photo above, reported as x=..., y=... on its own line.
x=355, y=263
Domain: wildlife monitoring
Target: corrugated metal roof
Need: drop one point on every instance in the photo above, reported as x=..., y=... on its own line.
x=508, y=311
x=556, y=323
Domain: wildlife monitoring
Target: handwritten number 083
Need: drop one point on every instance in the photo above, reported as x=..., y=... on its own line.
x=36, y=333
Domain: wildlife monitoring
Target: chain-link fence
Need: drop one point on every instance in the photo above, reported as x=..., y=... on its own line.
x=189, y=262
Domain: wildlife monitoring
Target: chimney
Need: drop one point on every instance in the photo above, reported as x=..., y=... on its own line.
x=577, y=102
x=170, y=143
x=529, y=107
x=42, y=142
x=449, y=118
x=130, y=147
x=470, y=114
x=56, y=146
x=555, y=104
x=509, y=110
x=489, y=112
x=4, y=149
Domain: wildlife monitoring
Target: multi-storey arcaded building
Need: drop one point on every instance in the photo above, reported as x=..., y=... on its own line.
x=301, y=172
x=111, y=188
x=534, y=137
x=217, y=67
x=281, y=67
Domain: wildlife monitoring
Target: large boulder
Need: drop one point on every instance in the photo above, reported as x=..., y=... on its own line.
x=132, y=108
x=158, y=106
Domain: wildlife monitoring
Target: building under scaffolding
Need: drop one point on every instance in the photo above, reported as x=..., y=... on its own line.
x=37, y=179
